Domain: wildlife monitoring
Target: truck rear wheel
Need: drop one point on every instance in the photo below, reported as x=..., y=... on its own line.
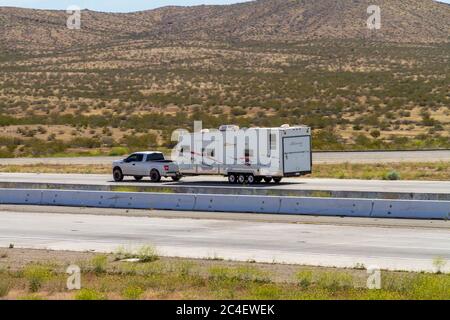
x=117, y=175
x=155, y=176
x=232, y=178
x=251, y=179
x=241, y=179
x=267, y=179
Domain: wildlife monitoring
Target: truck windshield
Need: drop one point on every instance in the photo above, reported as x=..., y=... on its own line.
x=135, y=158
x=155, y=157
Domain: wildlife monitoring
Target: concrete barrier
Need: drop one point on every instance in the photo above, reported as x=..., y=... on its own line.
x=229, y=203
x=417, y=209
x=412, y=209
x=327, y=207
x=19, y=196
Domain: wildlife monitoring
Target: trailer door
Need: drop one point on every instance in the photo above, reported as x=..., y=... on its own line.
x=296, y=154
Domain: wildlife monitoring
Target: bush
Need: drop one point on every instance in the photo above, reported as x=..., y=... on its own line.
x=36, y=276
x=305, y=278
x=132, y=293
x=89, y=294
x=144, y=254
x=99, y=263
x=335, y=281
x=392, y=175
x=5, y=286
x=118, y=151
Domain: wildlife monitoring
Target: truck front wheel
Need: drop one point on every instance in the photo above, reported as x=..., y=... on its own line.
x=117, y=175
x=155, y=176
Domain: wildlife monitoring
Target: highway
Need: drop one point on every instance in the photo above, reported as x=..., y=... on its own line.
x=318, y=158
x=210, y=182
x=392, y=246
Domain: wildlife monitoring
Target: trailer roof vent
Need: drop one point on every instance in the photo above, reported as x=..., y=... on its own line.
x=228, y=127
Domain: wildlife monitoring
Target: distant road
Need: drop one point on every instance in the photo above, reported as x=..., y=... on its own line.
x=318, y=158
x=395, y=247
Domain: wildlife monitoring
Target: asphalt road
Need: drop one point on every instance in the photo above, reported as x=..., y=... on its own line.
x=394, y=247
x=441, y=187
x=318, y=157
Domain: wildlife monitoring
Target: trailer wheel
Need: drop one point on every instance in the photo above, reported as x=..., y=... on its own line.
x=267, y=179
x=277, y=179
x=251, y=179
x=241, y=179
x=155, y=176
x=176, y=178
x=232, y=178
x=138, y=178
x=117, y=175
x=258, y=179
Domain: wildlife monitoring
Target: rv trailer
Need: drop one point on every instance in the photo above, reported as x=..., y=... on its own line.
x=246, y=155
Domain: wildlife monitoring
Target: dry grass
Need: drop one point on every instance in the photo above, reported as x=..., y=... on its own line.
x=56, y=168
x=406, y=171
x=200, y=279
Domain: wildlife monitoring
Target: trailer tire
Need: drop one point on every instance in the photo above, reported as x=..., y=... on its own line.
x=258, y=179
x=138, y=178
x=277, y=179
x=155, y=176
x=176, y=178
x=267, y=179
x=251, y=179
x=241, y=179
x=117, y=175
x=232, y=178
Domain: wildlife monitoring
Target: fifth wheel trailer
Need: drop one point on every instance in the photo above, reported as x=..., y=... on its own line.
x=245, y=155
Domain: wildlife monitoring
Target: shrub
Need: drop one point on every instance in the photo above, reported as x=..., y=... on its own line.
x=118, y=151
x=36, y=276
x=144, y=254
x=305, y=278
x=439, y=263
x=132, y=293
x=392, y=175
x=99, y=263
x=5, y=286
x=335, y=281
x=89, y=294
x=147, y=254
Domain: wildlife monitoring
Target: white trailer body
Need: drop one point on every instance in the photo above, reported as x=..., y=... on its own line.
x=246, y=154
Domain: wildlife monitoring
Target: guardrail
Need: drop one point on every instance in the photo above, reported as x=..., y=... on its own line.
x=376, y=208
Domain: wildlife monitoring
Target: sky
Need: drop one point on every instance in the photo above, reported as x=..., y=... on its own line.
x=109, y=5
x=112, y=5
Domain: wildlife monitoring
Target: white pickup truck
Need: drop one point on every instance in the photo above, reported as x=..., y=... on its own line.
x=148, y=163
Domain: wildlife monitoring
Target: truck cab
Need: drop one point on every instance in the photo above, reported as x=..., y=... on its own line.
x=146, y=164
